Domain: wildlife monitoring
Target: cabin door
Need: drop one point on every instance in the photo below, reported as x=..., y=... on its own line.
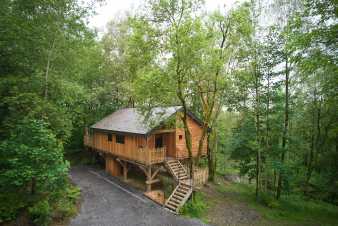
x=169, y=142
x=159, y=141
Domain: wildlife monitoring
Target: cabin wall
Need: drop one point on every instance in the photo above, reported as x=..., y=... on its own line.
x=196, y=133
x=112, y=166
x=168, y=142
x=131, y=143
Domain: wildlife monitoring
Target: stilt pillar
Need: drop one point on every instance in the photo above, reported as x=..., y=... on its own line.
x=148, y=182
x=125, y=171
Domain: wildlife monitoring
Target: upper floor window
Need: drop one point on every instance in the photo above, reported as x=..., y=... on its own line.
x=180, y=137
x=119, y=139
x=158, y=141
x=110, y=137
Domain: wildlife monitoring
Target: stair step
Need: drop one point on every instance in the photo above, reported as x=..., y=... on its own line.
x=182, y=185
x=170, y=202
x=183, y=189
x=176, y=168
x=177, y=198
x=178, y=202
x=171, y=207
x=180, y=194
x=181, y=173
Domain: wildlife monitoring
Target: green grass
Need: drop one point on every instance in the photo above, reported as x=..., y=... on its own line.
x=292, y=210
x=195, y=207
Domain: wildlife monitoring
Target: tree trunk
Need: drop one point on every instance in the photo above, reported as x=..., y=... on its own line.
x=33, y=186
x=257, y=118
x=47, y=69
x=285, y=130
x=212, y=139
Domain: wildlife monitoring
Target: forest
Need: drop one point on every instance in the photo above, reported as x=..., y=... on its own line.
x=262, y=75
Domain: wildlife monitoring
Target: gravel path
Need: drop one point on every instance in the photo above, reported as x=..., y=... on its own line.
x=106, y=201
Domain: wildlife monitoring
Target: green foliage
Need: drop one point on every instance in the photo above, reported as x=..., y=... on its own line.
x=65, y=202
x=40, y=213
x=293, y=210
x=268, y=200
x=10, y=205
x=32, y=154
x=195, y=206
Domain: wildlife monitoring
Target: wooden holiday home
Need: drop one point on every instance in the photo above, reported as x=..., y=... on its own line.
x=153, y=141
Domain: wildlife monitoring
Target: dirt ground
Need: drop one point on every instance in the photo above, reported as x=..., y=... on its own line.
x=225, y=211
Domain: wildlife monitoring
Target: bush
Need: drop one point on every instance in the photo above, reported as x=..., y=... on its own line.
x=268, y=200
x=64, y=202
x=66, y=207
x=194, y=207
x=40, y=213
x=10, y=205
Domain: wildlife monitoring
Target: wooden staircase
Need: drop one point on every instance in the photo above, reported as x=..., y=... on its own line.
x=183, y=189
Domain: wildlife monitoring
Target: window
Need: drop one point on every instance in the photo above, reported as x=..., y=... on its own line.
x=110, y=137
x=119, y=139
x=180, y=137
x=158, y=141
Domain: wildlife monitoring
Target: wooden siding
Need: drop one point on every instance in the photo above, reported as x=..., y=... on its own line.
x=170, y=143
x=134, y=147
x=113, y=167
x=142, y=149
x=196, y=133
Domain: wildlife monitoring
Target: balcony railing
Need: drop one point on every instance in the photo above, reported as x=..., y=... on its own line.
x=142, y=155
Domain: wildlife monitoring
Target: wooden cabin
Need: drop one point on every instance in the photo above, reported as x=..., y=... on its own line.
x=152, y=140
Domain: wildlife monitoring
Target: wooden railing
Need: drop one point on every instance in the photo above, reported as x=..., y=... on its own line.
x=142, y=155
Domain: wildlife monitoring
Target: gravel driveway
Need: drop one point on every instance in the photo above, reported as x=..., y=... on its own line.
x=106, y=201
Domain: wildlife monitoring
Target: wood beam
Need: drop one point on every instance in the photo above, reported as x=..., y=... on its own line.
x=148, y=178
x=164, y=131
x=155, y=173
x=143, y=169
x=152, y=181
x=124, y=165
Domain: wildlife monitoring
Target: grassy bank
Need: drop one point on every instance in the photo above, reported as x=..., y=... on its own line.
x=235, y=204
x=293, y=210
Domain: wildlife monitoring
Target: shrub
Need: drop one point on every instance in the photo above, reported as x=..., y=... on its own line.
x=40, y=213
x=73, y=193
x=268, y=200
x=64, y=202
x=194, y=207
x=10, y=205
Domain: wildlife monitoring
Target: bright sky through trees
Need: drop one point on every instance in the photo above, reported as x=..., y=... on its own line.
x=111, y=8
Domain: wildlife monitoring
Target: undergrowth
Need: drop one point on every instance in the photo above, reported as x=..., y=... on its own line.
x=195, y=206
x=293, y=208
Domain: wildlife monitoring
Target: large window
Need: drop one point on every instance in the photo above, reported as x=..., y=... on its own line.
x=110, y=137
x=119, y=139
x=158, y=141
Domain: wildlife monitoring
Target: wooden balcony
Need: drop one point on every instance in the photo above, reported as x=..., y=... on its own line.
x=141, y=155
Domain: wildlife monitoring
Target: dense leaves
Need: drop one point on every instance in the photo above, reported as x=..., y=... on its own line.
x=269, y=93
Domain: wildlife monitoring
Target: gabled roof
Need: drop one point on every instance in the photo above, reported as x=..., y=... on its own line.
x=131, y=120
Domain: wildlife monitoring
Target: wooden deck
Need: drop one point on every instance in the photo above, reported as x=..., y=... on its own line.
x=144, y=156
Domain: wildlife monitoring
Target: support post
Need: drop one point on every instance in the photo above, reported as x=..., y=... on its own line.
x=125, y=171
x=148, y=178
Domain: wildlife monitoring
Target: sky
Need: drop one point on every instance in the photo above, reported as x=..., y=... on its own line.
x=112, y=8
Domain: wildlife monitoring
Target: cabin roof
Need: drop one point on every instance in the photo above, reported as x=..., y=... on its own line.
x=132, y=120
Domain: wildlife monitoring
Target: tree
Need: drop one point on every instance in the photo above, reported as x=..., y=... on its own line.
x=32, y=157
